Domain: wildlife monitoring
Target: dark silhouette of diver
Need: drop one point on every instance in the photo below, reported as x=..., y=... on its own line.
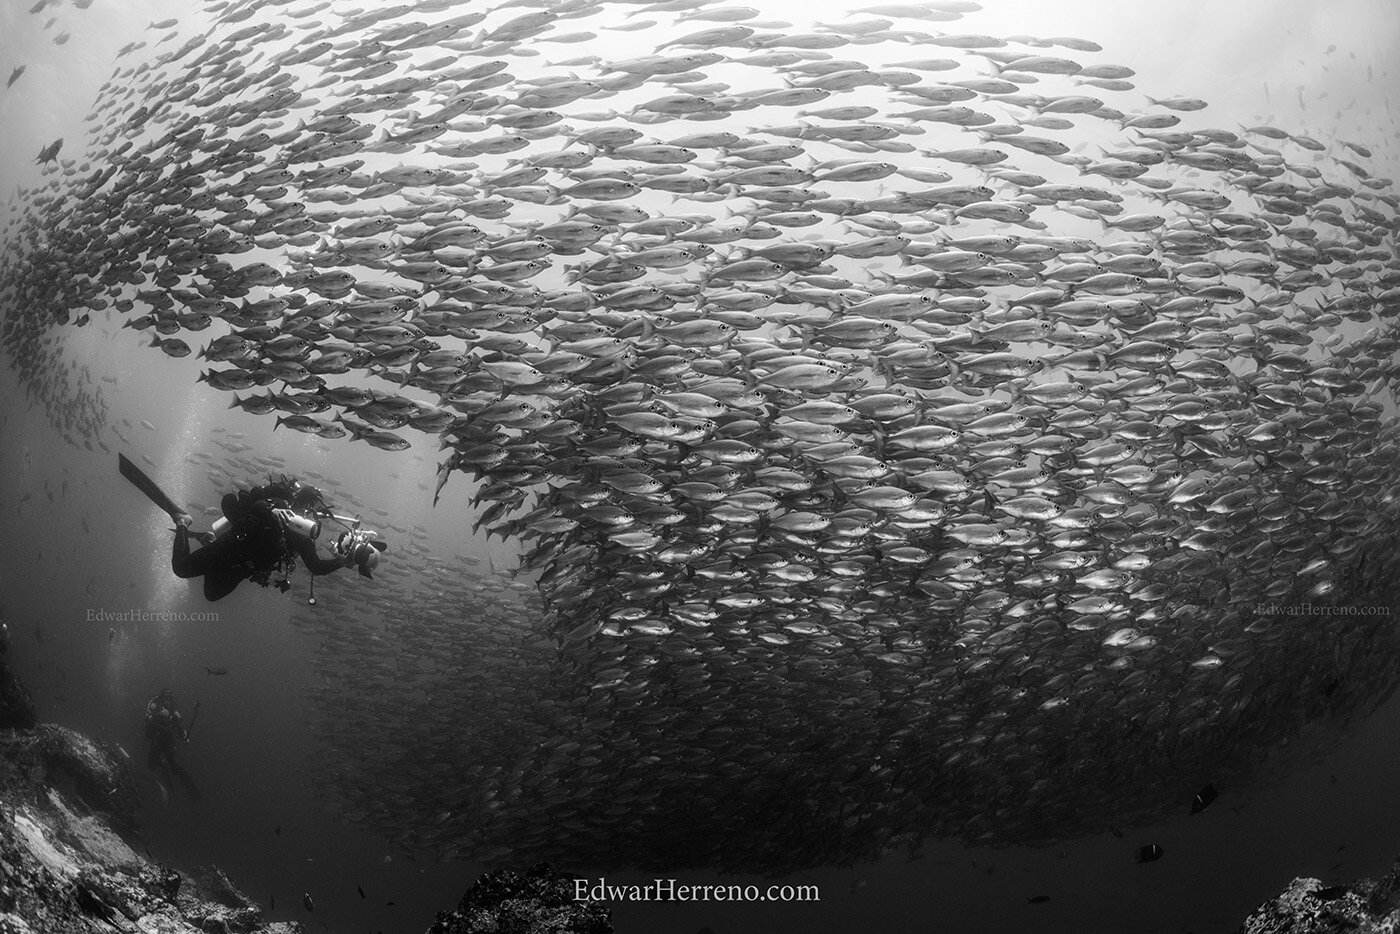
x=165, y=732
x=262, y=532
x=267, y=528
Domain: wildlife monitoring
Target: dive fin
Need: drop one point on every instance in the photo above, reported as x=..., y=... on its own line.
x=148, y=486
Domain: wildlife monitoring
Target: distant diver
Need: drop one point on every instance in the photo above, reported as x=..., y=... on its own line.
x=260, y=535
x=165, y=733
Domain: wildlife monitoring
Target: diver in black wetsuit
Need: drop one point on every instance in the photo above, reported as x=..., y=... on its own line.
x=165, y=732
x=267, y=529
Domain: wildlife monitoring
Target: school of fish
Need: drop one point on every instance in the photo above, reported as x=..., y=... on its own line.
x=906, y=431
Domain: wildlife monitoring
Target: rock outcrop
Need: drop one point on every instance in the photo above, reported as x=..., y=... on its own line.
x=539, y=901
x=65, y=868
x=1308, y=906
x=16, y=706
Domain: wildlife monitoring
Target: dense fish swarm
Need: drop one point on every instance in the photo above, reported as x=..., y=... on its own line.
x=884, y=464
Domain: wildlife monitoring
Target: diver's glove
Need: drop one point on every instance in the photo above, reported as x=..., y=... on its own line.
x=343, y=549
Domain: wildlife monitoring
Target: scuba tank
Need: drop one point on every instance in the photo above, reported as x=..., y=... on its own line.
x=295, y=522
x=291, y=521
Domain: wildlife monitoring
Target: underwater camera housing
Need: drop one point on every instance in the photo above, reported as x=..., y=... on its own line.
x=357, y=545
x=362, y=547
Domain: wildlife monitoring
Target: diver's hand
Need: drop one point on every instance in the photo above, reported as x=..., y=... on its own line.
x=344, y=548
x=183, y=520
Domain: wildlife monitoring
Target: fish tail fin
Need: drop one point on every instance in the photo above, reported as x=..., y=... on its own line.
x=278, y=423
x=877, y=438
x=155, y=341
x=203, y=377
x=236, y=403
x=808, y=334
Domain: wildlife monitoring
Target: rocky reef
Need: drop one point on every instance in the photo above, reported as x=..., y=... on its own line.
x=1308, y=906
x=68, y=806
x=538, y=901
x=68, y=811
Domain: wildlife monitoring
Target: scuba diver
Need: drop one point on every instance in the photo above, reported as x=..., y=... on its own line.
x=165, y=732
x=260, y=535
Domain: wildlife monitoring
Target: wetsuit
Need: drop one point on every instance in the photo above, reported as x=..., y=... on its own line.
x=165, y=732
x=255, y=543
